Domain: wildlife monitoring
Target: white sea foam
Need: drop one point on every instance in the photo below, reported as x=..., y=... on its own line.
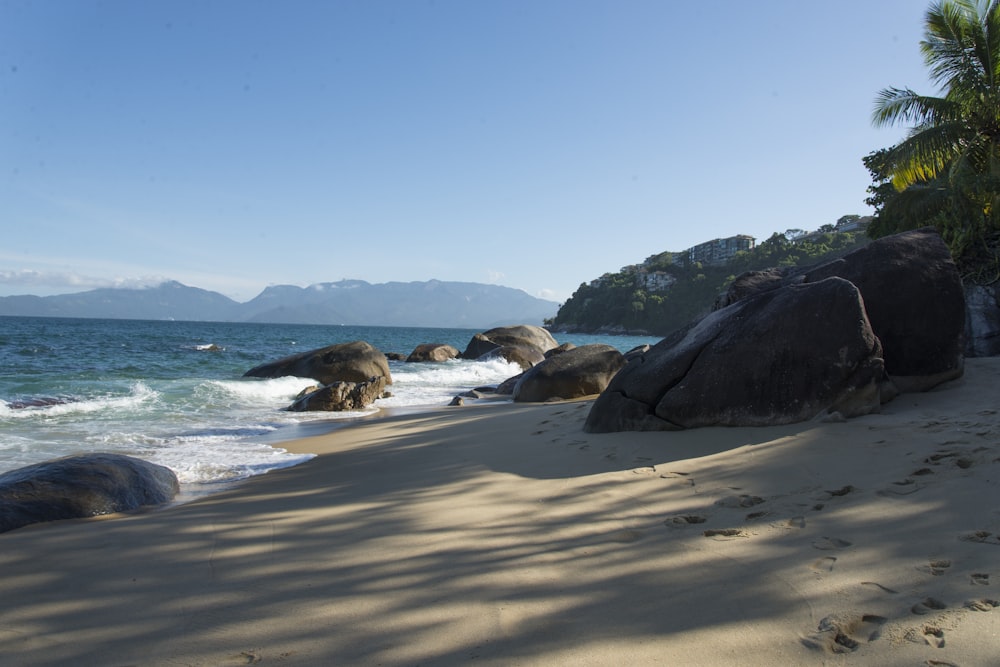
x=139, y=395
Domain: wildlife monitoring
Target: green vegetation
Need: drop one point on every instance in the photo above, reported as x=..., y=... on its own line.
x=946, y=173
x=619, y=301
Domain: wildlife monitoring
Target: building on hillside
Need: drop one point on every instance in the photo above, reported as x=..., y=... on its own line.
x=720, y=251
x=654, y=281
x=854, y=225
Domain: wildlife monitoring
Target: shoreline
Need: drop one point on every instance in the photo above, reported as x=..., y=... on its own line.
x=502, y=533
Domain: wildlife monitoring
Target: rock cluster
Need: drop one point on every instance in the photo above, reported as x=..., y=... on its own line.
x=789, y=345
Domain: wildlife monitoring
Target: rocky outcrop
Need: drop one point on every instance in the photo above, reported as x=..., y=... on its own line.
x=913, y=297
x=780, y=356
x=580, y=371
x=982, y=320
x=82, y=486
x=341, y=396
x=356, y=361
x=432, y=352
x=524, y=345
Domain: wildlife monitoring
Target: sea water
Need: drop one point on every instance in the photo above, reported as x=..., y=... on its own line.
x=173, y=392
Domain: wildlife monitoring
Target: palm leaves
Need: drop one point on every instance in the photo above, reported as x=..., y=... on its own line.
x=947, y=170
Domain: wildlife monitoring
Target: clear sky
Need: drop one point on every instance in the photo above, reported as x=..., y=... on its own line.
x=536, y=144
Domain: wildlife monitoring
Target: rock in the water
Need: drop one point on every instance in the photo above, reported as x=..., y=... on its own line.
x=432, y=352
x=356, y=361
x=580, y=371
x=81, y=486
x=341, y=396
x=781, y=356
x=912, y=294
x=523, y=344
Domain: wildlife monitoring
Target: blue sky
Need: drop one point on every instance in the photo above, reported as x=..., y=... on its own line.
x=535, y=144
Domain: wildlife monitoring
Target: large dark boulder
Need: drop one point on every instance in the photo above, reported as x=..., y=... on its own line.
x=581, y=371
x=81, y=486
x=523, y=344
x=432, y=352
x=356, y=361
x=780, y=356
x=913, y=296
x=341, y=396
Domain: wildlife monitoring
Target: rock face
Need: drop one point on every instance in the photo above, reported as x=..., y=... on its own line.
x=524, y=345
x=341, y=396
x=580, y=371
x=780, y=356
x=80, y=486
x=345, y=362
x=432, y=352
x=912, y=294
x=982, y=320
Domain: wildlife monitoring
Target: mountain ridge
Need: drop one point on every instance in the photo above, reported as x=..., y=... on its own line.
x=432, y=303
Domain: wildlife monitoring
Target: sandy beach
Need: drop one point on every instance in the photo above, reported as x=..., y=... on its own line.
x=503, y=534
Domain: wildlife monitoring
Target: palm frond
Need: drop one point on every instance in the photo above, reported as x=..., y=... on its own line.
x=895, y=105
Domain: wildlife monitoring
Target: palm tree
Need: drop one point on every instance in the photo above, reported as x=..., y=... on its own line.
x=948, y=167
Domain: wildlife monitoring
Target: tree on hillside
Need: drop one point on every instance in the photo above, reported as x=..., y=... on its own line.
x=946, y=173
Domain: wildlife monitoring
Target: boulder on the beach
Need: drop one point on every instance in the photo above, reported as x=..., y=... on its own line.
x=912, y=294
x=781, y=356
x=581, y=371
x=341, y=396
x=523, y=344
x=356, y=361
x=432, y=352
x=87, y=485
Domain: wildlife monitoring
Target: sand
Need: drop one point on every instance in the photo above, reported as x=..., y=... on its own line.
x=503, y=535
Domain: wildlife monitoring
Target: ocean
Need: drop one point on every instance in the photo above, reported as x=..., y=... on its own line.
x=173, y=392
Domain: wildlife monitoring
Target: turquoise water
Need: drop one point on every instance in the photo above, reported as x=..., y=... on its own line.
x=173, y=392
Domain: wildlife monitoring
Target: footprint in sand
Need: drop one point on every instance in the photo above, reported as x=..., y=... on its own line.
x=724, y=533
x=903, y=488
x=935, y=567
x=830, y=543
x=982, y=604
x=980, y=578
x=933, y=636
x=884, y=589
x=843, y=633
x=837, y=493
x=824, y=564
x=981, y=536
x=683, y=476
x=928, y=606
x=739, y=501
x=685, y=520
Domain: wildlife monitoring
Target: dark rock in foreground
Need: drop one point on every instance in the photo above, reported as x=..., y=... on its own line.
x=574, y=373
x=777, y=357
x=912, y=294
x=82, y=486
x=356, y=361
x=523, y=344
x=341, y=396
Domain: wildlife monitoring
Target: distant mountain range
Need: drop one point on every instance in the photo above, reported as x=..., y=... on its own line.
x=433, y=303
